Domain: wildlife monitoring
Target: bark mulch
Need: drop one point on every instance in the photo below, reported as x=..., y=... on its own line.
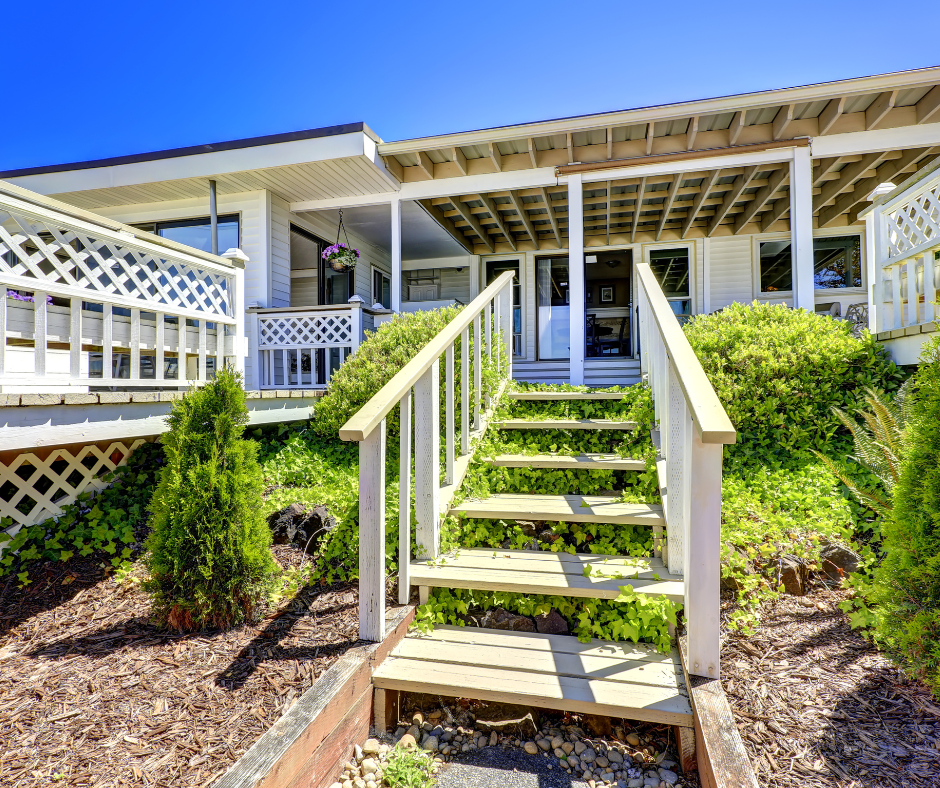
x=817, y=705
x=91, y=693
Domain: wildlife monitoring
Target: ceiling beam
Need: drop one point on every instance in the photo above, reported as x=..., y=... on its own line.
x=782, y=121
x=739, y=185
x=649, y=137
x=667, y=205
x=533, y=154
x=848, y=201
x=438, y=216
x=928, y=108
x=459, y=159
x=570, y=144
x=760, y=198
x=425, y=164
x=494, y=212
x=546, y=198
x=517, y=203
x=830, y=114
x=691, y=134
x=880, y=107
x=823, y=167
x=699, y=199
x=393, y=165
x=637, y=207
x=610, y=143
x=464, y=210
x=847, y=176
x=777, y=209
x=734, y=130
x=496, y=157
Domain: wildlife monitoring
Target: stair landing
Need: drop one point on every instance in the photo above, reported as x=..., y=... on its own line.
x=548, y=671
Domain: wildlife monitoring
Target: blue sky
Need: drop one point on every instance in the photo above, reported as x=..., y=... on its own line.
x=103, y=79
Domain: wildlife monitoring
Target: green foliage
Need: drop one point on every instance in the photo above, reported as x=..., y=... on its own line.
x=210, y=560
x=906, y=585
x=409, y=768
x=779, y=372
x=109, y=521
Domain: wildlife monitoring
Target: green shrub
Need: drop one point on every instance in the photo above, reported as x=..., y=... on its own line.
x=210, y=558
x=906, y=585
x=779, y=372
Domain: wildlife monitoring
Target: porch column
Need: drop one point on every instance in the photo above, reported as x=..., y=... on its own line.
x=801, y=229
x=576, y=277
x=396, y=254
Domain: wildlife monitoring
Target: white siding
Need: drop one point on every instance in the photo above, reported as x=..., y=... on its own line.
x=280, y=252
x=698, y=297
x=730, y=271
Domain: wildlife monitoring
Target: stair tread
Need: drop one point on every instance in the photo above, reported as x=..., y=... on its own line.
x=554, y=396
x=551, y=671
x=542, y=572
x=564, y=424
x=562, y=508
x=578, y=461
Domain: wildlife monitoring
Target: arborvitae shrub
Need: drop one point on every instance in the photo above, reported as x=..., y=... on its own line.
x=779, y=371
x=906, y=588
x=209, y=552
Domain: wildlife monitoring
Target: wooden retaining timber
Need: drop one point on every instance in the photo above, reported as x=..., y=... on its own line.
x=308, y=745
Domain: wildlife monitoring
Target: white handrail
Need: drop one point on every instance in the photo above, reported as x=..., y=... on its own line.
x=418, y=383
x=693, y=427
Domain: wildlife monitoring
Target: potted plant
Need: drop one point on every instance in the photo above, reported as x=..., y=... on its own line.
x=341, y=257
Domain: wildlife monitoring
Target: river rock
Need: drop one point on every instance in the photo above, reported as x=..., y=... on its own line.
x=793, y=575
x=837, y=561
x=498, y=618
x=531, y=747
x=551, y=623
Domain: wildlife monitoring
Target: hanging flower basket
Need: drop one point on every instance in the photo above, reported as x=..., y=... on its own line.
x=341, y=258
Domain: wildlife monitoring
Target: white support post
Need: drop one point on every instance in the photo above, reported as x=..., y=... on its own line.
x=255, y=370
x=356, y=330
x=201, y=363
x=3, y=333
x=450, y=436
x=644, y=333
x=896, y=304
x=930, y=286
x=477, y=372
x=372, y=535
x=107, y=340
x=160, y=349
x=911, y=267
x=703, y=560
x=238, y=304
x=75, y=338
x=507, y=313
x=465, y=392
x=576, y=278
x=428, y=461
x=801, y=229
x=40, y=323
x=395, y=206
x=874, y=235
x=404, y=502
x=135, y=343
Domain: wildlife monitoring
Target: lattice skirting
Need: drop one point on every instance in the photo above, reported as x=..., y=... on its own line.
x=36, y=484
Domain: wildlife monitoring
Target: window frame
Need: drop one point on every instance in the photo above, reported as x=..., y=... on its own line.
x=690, y=248
x=373, y=269
x=191, y=221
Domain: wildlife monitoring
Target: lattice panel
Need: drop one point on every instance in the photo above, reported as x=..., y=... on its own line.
x=60, y=255
x=306, y=331
x=33, y=489
x=914, y=223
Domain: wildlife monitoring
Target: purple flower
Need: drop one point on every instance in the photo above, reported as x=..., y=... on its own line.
x=19, y=297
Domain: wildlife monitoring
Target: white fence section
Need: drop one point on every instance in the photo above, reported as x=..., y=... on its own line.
x=301, y=347
x=905, y=227
x=417, y=387
x=89, y=301
x=693, y=426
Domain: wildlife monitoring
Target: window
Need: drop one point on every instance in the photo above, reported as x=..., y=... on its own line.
x=671, y=269
x=381, y=288
x=197, y=233
x=837, y=263
x=493, y=269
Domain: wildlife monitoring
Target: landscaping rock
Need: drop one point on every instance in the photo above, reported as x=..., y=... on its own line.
x=837, y=561
x=793, y=575
x=498, y=618
x=300, y=526
x=523, y=726
x=531, y=747
x=551, y=623
x=407, y=741
x=597, y=724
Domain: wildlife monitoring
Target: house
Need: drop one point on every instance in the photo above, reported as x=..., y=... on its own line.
x=764, y=196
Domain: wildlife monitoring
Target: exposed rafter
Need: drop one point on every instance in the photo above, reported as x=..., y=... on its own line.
x=928, y=108
x=782, y=121
x=610, y=143
x=570, y=144
x=760, y=198
x=706, y=187
x=691, y=134
x=447, y=224
x=822, y=167
x=546, y=198
x=880, y=107
x=533, y=154
x=731, y=197
x=777, y=209
x=394, y=166
x=425, y=164
x=830, y=114
x=464, y=210
x=459, y=159
x=517, y=203
x=667, y=205
x=649, y=138
x=496, y=157
x=847, y=176
x=491, y=206
x=637, y=208
x=734, y=130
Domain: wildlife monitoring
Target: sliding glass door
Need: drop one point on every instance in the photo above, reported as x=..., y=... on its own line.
x=553, y=308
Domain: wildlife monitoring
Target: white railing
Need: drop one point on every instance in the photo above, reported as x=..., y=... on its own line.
x=421, y=376
x=95, y=302
x=905, y=229
x=693, y=426
x=301, y=347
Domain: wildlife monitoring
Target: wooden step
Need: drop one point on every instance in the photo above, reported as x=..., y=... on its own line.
x=549, y=671
x=555, y=396
x=564, y=424
x=580, y=462
x=562, y=508
x=542, y=572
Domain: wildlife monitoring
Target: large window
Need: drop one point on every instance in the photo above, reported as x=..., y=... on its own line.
x=837, y=264
x=493, y=269
x=671, y=269
x=381, y=288
x=197, y=232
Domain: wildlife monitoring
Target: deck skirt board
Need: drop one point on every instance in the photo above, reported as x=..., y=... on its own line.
x=536, y=671
x=564, y=424
x=553, y=574
x=586, y=462
x=563, y=508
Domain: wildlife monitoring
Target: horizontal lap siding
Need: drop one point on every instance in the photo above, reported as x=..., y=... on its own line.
x=280, y=252
x=730, y=271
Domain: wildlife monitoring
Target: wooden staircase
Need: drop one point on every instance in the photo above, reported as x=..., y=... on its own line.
x=551, y=671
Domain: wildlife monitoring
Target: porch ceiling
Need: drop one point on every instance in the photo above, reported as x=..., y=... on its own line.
x=882, y=102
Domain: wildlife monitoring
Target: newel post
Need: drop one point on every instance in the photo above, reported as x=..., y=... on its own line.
x=372, y=535
x=703, y=559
